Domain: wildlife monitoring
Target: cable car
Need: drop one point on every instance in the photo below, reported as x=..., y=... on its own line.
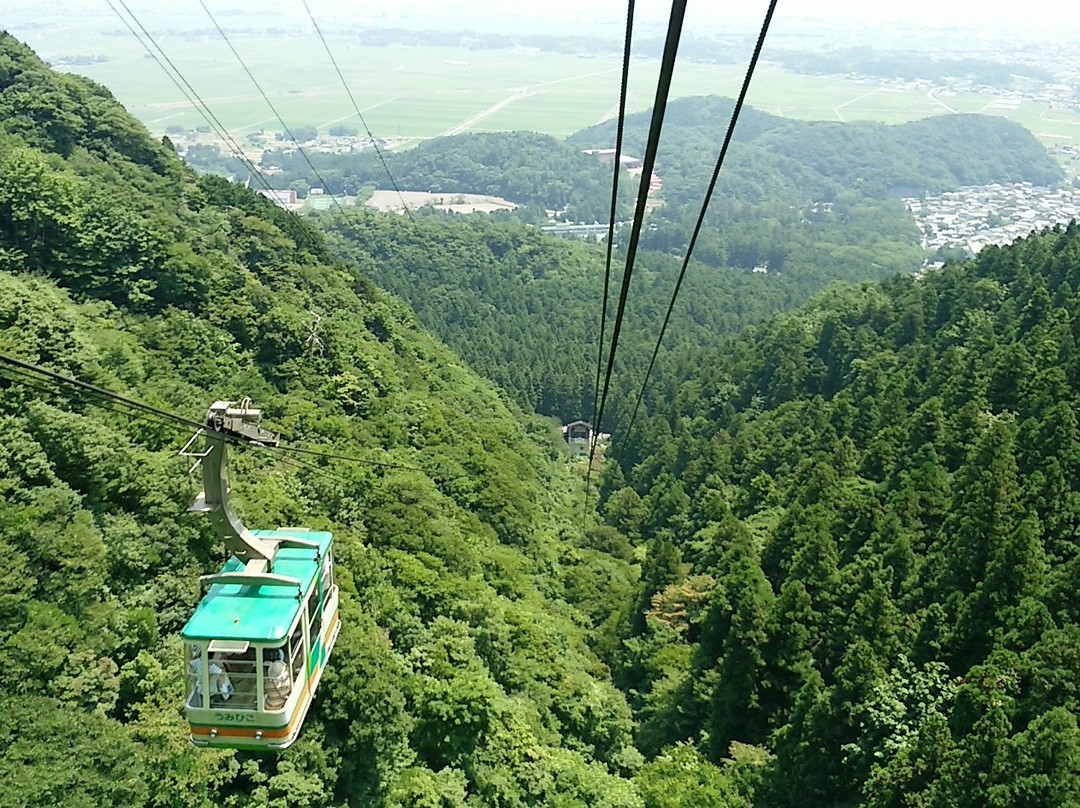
x=258, y=643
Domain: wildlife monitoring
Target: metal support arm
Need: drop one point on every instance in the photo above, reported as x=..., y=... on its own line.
x=224, y=422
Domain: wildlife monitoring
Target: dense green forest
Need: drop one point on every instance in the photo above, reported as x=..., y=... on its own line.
x=931, y=155
x=538, y=172
x=521, y=307
x=927, y=156
x=464, y=673
x=795, y=197
x=777, y=170
x=832, y=564
x=814, y=201
x=861, y=521
x=799, y=194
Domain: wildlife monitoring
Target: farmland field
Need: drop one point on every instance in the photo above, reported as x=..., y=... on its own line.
x=410, y=93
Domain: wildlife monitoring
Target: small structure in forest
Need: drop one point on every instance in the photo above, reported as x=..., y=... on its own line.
x=579, y=437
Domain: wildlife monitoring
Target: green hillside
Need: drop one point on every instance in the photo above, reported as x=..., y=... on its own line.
x=522, y=308
x=836, y=559
x=861, y=521
x=808, y=200
x=463, y=673
x=774, y=159
x=813, y=196
x=935, y=154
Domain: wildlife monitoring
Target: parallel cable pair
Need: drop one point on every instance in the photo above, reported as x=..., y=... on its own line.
x=663, y=87
x=22, y=372
x=270, y=104
x=617, y=163
x=285, y=126
x=359, y=114
x=189, y=92
x=705, y=204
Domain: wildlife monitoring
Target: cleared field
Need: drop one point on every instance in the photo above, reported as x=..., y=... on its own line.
x=454, y=203
x=421, y=92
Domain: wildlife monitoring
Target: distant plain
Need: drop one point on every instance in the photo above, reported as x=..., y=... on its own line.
x=411, y=93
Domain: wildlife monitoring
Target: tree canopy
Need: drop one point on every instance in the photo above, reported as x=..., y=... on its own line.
x=874, y=502
x=465, y=672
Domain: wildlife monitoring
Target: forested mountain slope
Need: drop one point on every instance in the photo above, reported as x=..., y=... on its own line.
x=522, y=308
x=862, y=528
x=931, y=155
x=803, y=195
x=807, y=200
x=462, y=675
x=857, y=522
x=774, y=161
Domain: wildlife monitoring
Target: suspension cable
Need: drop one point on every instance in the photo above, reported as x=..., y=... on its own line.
x=99, y=392
x=49, y=388
x=705, y=204
x=359, y=114
x=610, y=236
x=270, y=104
x=663, y=88
x=21, y=368
x=189, y=93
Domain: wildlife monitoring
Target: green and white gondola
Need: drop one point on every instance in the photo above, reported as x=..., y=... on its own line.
x=259, y=641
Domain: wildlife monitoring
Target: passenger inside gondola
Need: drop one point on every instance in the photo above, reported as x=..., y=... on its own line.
x=220, y=685
x=278, y=684
x=241, y=668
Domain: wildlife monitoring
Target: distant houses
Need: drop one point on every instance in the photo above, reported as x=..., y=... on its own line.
x=973, y=217
x=633, y=165
x=284, y=199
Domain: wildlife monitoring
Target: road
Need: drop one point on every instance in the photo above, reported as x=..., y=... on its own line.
x=940, y=103
x=836, y=110
x=469, y=123
x=518, y=94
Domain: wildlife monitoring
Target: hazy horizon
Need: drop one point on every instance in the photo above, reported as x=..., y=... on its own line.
x=871, y=23
x=558, y=84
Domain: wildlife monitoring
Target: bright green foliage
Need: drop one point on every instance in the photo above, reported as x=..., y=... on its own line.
x=58, y=756
x=894, y=608
x=518, y=305
x=682, y=778
x=463, y=674
x=856, y=523
x=794, y=197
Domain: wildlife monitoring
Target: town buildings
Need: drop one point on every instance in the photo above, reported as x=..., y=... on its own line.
x=971, y=218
